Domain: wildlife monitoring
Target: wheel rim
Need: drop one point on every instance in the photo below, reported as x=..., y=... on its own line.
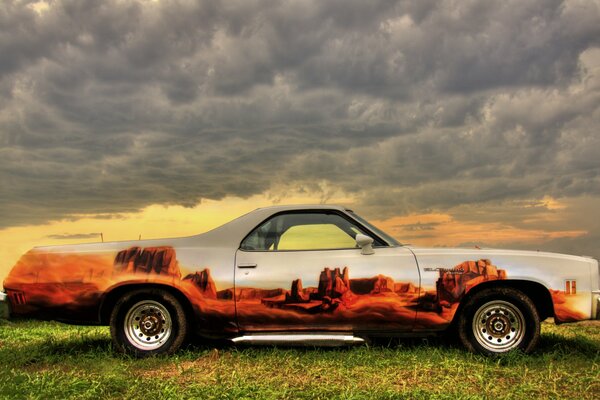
x=499, y=326
x=148, y=325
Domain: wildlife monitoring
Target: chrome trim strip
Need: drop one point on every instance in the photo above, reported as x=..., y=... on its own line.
x=304, y=339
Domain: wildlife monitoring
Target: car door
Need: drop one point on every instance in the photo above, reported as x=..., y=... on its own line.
x=304, y=271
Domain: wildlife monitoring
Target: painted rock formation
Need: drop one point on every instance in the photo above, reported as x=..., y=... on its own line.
x=157, y=260
x=333, y=283
x=203, y=281
x=375, y=285
x=297, y=294
x=254, y=294
x=407, y=288
x=249, y=293
x=454, y=283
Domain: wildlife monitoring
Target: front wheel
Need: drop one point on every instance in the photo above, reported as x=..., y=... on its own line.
x=498, y=320
x=148, y=322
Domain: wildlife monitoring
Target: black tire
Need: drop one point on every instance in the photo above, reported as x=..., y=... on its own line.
x=498, y=320
x=148, y=322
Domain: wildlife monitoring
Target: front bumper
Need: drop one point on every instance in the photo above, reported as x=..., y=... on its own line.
x=4, y=306
x=596, y=304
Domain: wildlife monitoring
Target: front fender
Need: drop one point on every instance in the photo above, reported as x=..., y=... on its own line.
x=450, y=274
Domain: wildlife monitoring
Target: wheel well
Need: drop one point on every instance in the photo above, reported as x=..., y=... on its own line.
x=114, y=295
x=537, y=292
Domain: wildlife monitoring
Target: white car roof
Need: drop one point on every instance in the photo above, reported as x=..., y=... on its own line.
x=230, y=232
x=278, y=208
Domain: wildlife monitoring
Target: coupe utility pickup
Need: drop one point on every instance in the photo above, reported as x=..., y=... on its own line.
x=301, y=274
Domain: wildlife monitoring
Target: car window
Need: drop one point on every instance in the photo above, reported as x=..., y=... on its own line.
x=314, y=237
x=303, y=231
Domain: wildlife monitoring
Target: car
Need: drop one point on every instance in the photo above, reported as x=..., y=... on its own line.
x=316, y=274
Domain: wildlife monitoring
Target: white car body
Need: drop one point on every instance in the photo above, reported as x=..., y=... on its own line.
x=232, y=290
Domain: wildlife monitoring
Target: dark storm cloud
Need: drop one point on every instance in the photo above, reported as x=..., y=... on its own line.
x=106, y=107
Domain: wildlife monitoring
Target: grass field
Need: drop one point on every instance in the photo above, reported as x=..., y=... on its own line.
x=52, y=360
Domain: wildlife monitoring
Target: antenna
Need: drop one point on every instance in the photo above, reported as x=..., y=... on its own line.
x=102, y=237
x=140, y=238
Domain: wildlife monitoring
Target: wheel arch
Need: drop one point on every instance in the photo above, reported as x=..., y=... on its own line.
x=538, y=293
x=111, y=297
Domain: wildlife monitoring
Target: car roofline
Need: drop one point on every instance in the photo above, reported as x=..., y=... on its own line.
x=292, y=207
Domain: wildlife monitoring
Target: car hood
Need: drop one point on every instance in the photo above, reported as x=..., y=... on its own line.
x=491, y=252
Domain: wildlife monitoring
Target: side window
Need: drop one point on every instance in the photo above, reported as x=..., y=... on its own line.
x=303, y=231
x=314, y=237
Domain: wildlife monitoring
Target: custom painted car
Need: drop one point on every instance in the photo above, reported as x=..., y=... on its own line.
x=309, y=274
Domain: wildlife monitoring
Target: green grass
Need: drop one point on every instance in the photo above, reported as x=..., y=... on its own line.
x=51, y=360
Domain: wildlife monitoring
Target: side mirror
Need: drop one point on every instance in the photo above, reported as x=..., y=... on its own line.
x=365, y=243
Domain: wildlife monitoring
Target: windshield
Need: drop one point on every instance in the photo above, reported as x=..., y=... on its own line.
x=374, y=229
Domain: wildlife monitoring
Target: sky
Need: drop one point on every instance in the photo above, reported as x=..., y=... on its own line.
x=447, y=123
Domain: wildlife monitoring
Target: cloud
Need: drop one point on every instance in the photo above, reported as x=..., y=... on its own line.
x=419, y=226
x=574, y=214
x=107, y=107
x=71, y=236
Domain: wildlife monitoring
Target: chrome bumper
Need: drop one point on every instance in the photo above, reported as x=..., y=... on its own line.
x=595, y=304
x=4, y=306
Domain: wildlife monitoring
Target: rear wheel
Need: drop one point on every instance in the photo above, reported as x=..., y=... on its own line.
x=498, y=320
x=148, y=322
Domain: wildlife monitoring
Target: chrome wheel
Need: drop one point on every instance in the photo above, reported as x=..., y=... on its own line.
x=148, y=325
x=498, y=326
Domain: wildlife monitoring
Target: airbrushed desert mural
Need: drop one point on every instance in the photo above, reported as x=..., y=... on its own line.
x=72, y=286
x=365, y=303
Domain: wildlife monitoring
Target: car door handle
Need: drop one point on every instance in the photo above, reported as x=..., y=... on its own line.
x=246, y=265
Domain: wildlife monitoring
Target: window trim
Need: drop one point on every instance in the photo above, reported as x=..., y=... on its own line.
x=344, y=215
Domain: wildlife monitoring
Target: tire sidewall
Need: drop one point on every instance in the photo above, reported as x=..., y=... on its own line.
x=512, y=296
x=172, y=305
